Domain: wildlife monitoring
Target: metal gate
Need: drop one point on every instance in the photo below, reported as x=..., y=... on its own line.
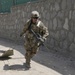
x=5, y=5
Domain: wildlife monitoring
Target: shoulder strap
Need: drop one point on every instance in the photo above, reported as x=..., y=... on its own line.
x=38, y=23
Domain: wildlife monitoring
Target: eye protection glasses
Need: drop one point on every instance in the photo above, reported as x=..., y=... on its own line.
x=35, y=17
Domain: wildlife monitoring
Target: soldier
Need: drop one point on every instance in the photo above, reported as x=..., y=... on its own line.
x=31, y=43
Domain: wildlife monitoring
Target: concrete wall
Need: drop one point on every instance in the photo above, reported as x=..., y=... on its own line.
x=57, y=15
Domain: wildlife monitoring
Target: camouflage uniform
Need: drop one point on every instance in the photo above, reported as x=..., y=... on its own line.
x=31, y=44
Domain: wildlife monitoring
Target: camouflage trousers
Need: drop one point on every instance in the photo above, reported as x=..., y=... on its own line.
x=30, y=52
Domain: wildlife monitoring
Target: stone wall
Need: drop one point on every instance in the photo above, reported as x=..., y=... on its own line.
x=57, y=15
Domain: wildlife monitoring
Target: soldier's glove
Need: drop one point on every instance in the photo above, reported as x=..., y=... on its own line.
x=44, y=39
x=41, y=41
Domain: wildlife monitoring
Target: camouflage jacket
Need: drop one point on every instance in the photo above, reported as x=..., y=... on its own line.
x=37, y=28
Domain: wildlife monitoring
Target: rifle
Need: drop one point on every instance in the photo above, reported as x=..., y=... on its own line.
x=39, y=38
x=37, y=35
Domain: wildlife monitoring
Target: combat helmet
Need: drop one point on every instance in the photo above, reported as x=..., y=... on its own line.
x=35, y=14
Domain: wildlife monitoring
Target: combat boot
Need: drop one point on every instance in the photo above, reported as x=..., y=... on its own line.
x=28, y=62
x=28, y=65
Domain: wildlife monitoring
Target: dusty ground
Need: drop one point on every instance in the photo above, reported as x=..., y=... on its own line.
x=44, y=63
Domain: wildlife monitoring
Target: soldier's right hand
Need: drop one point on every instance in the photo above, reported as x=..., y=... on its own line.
x=41, y=40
